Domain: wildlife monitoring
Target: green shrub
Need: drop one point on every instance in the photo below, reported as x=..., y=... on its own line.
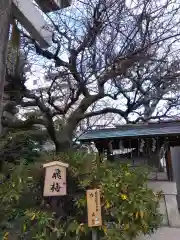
x=129, y=208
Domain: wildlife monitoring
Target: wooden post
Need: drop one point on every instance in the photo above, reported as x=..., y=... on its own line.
x=55, y=184
x=5, y=17
x=94, y=234
x=94, y=206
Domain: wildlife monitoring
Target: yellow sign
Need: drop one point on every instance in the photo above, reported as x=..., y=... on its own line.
x=94, y=208
x=55, y=179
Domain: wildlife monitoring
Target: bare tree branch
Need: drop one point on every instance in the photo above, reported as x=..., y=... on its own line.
x=108, y=57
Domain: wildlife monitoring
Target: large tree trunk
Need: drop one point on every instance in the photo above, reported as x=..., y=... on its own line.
x=64, y=140
x=5, y=15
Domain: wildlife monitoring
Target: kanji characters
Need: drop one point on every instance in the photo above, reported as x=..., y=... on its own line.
x=55, y=187
x=57, y=174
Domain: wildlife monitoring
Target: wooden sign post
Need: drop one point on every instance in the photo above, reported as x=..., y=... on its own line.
x=55, y=179
x=94, y=210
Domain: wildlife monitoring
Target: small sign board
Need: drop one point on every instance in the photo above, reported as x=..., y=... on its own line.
x=55, y=179
x=94, y=208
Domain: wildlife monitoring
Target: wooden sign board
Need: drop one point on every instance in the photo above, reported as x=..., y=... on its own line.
x=94, y=208
x=55, y=179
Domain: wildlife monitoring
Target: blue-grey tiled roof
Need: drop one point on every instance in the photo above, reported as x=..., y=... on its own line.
x=127, y=131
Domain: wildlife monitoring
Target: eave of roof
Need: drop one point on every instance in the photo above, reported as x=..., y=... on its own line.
x=132, y=131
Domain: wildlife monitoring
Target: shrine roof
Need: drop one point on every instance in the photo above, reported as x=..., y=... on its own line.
x=133, y=131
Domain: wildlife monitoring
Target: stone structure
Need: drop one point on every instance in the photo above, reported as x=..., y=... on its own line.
x=33, y=20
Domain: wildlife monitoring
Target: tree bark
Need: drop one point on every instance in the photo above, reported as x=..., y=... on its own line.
x=65, y=140
x=5, y=16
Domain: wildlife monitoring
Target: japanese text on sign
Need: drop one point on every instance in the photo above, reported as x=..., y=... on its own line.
x=56, y=186
x=57, y=173
x=94, y=208
x=55, y=181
